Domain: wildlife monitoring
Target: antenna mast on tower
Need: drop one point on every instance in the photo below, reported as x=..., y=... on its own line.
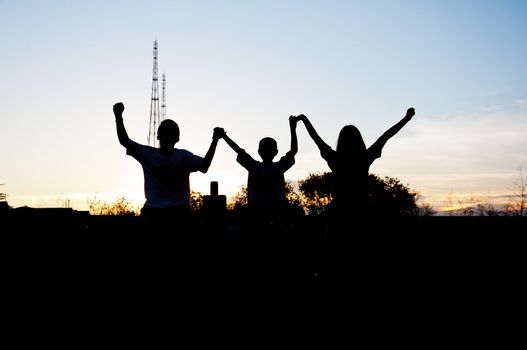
x=154, y=104
x=163, y=99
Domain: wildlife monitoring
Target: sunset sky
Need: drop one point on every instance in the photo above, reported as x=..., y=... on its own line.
x=247, y=66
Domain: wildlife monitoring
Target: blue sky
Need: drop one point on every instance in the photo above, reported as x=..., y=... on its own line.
x=247, y=66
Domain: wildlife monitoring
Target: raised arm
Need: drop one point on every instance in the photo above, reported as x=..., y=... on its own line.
x=294, y=140
x=232, y=144
x=381, y=141
x=118, y=110
x=207, y=160
x=322, y=146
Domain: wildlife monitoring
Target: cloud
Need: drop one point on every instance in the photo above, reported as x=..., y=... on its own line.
x=478, y=153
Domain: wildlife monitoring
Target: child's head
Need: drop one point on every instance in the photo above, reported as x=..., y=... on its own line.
x=168, y=133
x=350, y=141
x=267, y=149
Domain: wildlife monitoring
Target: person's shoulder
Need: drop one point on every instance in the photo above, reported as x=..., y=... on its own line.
x=248, y=162
x=328, y=152
x=133, y=145
x=184, y=153
x=327, y=149
x=289, y=157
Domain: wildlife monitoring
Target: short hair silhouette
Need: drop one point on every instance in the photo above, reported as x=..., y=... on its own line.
x=267, y=148
x=166, y=170
x=266, y=182
x=168, y=131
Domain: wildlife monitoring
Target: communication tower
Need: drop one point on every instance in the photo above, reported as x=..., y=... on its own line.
x=163, y=99
x=154, y=104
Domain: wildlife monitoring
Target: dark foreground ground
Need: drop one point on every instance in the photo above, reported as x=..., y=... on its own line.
x=422, y=265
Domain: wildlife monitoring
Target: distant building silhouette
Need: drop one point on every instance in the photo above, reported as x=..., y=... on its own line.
x=3, y=200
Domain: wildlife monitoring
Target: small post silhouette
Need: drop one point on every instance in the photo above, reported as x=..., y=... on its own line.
x=214, y=188
x=214, y=205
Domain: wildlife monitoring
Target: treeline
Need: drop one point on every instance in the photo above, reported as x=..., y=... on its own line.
x=388, y=197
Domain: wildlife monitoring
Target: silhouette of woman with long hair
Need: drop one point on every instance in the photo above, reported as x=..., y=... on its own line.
x=350, y=164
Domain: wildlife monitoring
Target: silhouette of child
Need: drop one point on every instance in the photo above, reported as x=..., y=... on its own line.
x=166, y=169
x=266, y=182
x=268, y=220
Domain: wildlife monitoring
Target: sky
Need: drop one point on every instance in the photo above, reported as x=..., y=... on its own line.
x=247, y=66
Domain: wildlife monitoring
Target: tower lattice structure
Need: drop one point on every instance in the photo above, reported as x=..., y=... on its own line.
x=155, y=117
x=163, y=98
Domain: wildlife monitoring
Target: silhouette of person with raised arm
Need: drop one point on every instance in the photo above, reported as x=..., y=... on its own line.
x=166, y=173
x=266, y=190
x=267, y=219
x=350, y=164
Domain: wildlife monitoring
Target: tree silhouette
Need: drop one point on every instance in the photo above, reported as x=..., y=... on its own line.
x=387, y=196
x=240, y=198
x=316, y=191
x=517, y=203
x=196, y=201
